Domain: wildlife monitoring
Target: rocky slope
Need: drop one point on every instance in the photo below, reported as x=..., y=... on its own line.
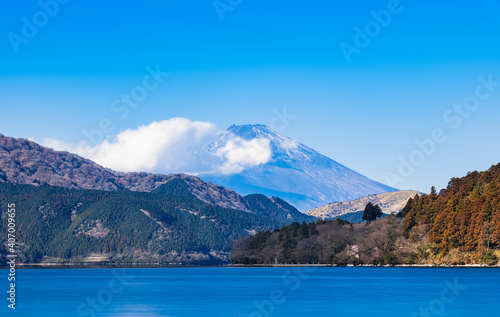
x=390, y=203
x=26, y=162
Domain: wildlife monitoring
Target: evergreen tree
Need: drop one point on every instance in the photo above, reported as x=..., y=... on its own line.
x=304, y=230
x=371, y=212
x=433, y=191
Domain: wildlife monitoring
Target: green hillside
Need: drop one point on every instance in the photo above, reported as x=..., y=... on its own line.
x=166, y=225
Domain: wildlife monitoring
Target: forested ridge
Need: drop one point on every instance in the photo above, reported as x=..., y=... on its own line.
x=166, y=225
x=465, y=216
x=459, y=225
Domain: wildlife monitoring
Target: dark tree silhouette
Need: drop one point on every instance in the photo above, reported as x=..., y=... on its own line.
x=371, y=212
x=433, y=191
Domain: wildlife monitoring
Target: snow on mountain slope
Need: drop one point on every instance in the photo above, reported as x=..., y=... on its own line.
x=296, y=173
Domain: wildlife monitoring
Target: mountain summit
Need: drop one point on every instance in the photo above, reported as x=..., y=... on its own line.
x=297, y=173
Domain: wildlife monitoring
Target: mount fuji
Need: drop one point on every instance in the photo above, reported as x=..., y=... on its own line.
x=296, y=173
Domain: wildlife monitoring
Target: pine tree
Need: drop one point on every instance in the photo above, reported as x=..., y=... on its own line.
x=433, y=191
x=371, y=212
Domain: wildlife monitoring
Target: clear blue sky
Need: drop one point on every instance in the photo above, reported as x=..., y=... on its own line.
x=263, y=56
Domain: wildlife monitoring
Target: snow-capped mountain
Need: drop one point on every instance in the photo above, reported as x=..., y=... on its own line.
x=296, y=173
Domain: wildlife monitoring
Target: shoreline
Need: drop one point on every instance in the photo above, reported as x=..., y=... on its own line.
x=29, y=266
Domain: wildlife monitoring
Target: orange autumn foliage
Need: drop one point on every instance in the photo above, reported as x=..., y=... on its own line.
x=466, y=215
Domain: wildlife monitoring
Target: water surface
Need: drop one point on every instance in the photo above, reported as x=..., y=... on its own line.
x=256, y=292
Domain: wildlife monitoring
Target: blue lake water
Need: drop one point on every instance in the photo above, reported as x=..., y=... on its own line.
x=255, y=292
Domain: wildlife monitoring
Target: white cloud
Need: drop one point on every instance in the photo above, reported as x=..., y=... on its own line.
x=240, y=154
x=59, y=145
x=175, y=145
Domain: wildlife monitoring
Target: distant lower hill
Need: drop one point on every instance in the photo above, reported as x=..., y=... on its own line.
x=353, y=217
x=390, y=203
x=167, y=225
x=458, y=226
